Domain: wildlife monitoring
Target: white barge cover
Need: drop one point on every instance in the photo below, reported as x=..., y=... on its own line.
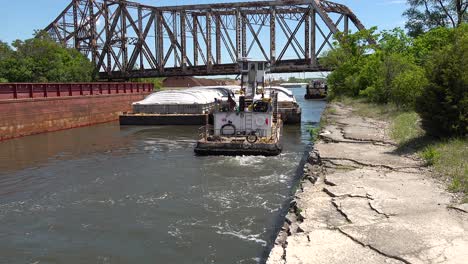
x=284, y=95
x=187, y=101
x=178, y=97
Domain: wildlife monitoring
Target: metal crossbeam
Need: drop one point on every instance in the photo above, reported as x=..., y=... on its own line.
x=129, y=40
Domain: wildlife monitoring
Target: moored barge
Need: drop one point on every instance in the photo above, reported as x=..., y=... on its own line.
x=316, y=89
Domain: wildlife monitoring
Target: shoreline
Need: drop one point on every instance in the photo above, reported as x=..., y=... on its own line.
x=360, y=201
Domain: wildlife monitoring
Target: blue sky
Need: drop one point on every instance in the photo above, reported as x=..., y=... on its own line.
x=19, y=18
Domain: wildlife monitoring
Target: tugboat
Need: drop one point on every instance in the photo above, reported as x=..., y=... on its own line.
x=316, y=89
x=251, y=127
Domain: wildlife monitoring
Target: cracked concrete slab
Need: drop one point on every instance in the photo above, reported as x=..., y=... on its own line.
x=330, y=246
x=361, y=133
x=365, y=155
x=334, y=134
x=358, y=211
x=371, y=205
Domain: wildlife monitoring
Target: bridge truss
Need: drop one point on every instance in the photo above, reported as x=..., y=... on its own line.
x=131, y=40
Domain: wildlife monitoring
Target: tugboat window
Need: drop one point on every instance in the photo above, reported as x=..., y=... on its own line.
x=260, y=66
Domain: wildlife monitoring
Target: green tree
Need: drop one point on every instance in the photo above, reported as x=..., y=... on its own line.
x=392, y=77
x=347, y=60
x=40, y=59
x=5, y=54
x=444, y=106
x=429, y=42
x=424, y=15
x=5, y=50
x=383, y=73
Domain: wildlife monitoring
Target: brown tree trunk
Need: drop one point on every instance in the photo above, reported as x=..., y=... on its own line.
x=461, y=11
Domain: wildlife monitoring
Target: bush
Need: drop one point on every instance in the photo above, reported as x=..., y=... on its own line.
x=444, y=104
x=408, y=86
x=392, y=78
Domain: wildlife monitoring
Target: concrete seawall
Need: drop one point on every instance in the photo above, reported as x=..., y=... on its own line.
x=24, y=117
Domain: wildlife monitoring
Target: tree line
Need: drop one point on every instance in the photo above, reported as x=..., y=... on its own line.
x=41, y=59
x=426, y=71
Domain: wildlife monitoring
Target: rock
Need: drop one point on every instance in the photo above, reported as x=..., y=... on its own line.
x=314, y=158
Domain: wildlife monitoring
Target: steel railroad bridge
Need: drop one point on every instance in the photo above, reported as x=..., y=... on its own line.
x=131, y=40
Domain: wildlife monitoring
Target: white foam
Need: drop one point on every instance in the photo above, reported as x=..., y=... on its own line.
x=239, y=235
x=243, y=234
x=150, y=200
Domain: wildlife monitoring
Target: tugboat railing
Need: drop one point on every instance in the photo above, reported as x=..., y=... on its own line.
x=206, y=131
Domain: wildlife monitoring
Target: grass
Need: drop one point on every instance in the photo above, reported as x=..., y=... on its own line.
x=447, y=157
x=451, y=160
x=405, y=127
x=314, y=133
x=363, y=108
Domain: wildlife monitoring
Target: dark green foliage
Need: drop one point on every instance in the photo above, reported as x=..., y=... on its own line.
x=430, y=71
x=347, y=60
x=383, y=73
x=429, y=42
x=444, y=106
x=395, y=78
x=40, y=59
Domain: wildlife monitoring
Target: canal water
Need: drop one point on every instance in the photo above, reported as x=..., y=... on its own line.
x=110, y=194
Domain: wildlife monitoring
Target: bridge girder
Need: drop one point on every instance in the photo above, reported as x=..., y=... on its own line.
x=130, y=40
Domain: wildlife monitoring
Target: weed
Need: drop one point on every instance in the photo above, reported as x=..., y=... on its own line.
x=430, y=155
x=314, y=133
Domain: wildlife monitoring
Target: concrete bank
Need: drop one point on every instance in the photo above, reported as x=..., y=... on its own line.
x=24, y=117
x=362, y=202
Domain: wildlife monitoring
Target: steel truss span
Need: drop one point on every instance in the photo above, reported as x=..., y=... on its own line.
x=130, y=40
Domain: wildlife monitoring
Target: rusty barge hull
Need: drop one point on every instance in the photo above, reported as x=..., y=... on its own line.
x=162, y=119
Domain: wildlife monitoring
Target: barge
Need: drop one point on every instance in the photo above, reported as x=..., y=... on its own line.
x=288, y=107
x=190, y=106
x=316, y=89
x=251, y=127
x=173, y=107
